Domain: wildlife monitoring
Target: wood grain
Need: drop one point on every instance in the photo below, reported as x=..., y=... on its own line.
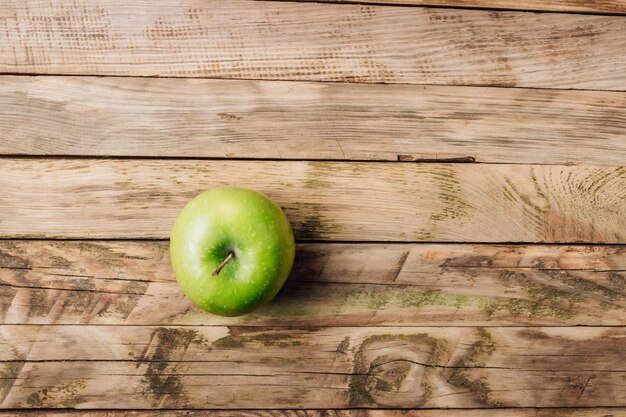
x=308, y=41
x=74, y=282
x=375, y=201
x=499, y=412
x=222, y=367
x=590, y=6
x=295, y=120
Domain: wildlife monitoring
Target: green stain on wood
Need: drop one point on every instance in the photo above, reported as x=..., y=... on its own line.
x=40, y=303
x=377, y=300
x=507, y=195
x=432, y=297
x=7, y=294
x=553, y=295
x=9, y=261
x=58, y=262
x=163, y=378
x=481, y=350
x=523, y=197
x=84, y=298
x=382, y=385
x=229, y=342
x=311, y=228
x=313, y=302
x=240, y=337
x=519, y=307
x=9, y=373
x=317, y=183
x=477, y=386
x=424, y=235
x=453, y=205
x=548, y=301
x=587, y=285
x=64, y=395
x=617, y=281
x=343, y=346
x=124, y=306
x=314, y=226
x=319, y=175
x=393, y=296
x=163, y=381
x=366, y=377
x=539, y=190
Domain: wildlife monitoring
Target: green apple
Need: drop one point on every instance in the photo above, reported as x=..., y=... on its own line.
x=232, y=250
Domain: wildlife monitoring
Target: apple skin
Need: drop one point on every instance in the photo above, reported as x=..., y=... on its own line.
x=245, y=222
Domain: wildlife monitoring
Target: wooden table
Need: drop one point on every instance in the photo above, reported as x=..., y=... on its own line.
x=454, y=175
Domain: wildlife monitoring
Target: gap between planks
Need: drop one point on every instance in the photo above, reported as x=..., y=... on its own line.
x=400, y=159
x=465, y=412
x=287, y=80
x=602, y=7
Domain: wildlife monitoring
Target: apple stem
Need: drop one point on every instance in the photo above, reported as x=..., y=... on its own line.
x=230, y=256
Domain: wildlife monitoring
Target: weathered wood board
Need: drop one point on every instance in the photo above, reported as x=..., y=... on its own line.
x=114, y=116
x=79, y=282
x=309, y=41
x=512, y=305
x=589, y=6
x=89, y=198
x=233, y=367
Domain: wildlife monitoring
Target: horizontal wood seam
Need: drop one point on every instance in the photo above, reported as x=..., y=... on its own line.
x=440, y=6
x=324, y=241
x=291, y=80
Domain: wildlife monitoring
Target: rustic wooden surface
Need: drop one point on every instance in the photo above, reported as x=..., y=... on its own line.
x=266, y=119
x=233, y=367
x=461, y=246
x=373, y=201
x=131, y=282
x=310, y=41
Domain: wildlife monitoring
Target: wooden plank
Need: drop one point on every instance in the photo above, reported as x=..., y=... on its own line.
x=294, y=120
x=586, y=6
x=222, y=367
x=499, y=412
x=72, y=282
x=375, y=201
x=308, y=41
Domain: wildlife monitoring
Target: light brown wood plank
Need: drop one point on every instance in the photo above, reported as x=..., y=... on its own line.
x=296, y=120
x=375, y=201
x=500, y=412
x=222, y=367
x=308, y=41
x=73, y=282
x=588, y=6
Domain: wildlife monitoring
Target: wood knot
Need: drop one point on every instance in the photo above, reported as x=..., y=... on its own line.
x=395, y=370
